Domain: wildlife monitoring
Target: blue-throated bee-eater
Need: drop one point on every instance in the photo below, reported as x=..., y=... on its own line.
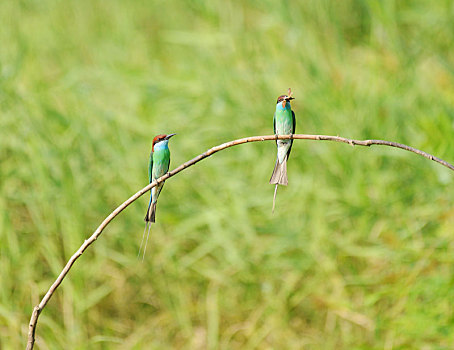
x=284, y=124
x=158, y=165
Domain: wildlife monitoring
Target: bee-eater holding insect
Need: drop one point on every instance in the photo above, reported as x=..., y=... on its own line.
x=158, y=165
x=284, y=124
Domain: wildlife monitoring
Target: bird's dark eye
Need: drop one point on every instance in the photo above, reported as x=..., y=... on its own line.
x=281, y=98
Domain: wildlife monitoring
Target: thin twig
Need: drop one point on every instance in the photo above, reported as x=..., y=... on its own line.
x=39, y=308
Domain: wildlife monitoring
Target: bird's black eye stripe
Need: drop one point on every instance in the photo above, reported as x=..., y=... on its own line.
x=282, y=98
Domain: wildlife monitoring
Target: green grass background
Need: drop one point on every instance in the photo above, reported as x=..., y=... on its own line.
x=360, y=251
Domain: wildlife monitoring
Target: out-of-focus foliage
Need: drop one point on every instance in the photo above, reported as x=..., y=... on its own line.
x=360, y=251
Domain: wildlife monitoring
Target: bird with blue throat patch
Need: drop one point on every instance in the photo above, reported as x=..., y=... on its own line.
x=284, y=124
x=158, y=165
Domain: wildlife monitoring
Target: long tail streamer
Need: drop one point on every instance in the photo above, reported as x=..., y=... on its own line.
x=274, y=198
x=147, y=225
x=146, y=242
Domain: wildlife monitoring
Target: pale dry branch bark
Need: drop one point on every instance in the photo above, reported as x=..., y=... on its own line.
x=38, y=309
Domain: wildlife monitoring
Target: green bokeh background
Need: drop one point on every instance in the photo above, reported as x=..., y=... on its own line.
x=360, y=251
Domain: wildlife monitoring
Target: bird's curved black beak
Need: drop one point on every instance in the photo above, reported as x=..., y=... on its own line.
x=169, y=136
x=288, y=98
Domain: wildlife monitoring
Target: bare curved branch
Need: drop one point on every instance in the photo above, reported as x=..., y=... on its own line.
x=38, y=309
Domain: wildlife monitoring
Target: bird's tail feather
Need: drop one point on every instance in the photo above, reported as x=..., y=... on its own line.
x=151, y=213
x=274, y=198
x=279, y=175
x=148, y=209
x=146, y=242
x=147, y=225
x=149, y=219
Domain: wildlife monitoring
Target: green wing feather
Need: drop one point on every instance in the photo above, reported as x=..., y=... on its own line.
x=294, y=122
x=293, y=131
x=150, y=167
